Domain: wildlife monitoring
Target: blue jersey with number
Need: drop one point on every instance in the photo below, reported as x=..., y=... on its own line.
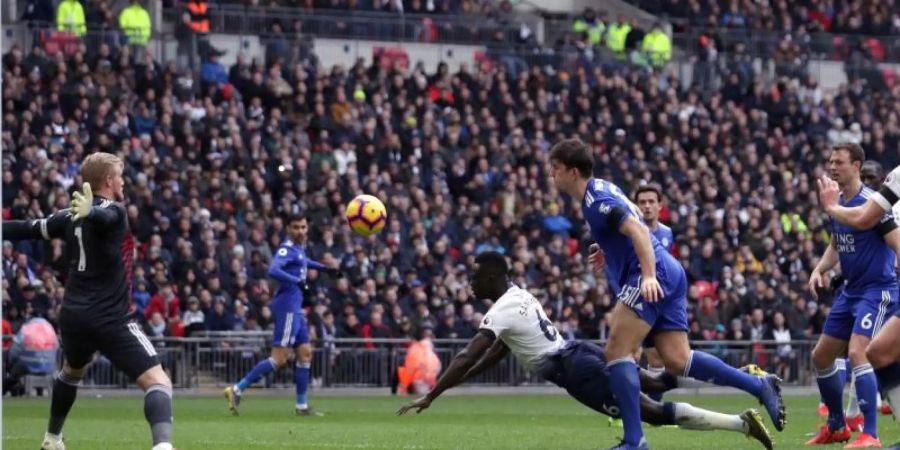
x=289, y=267
x=664, y=235
x=605, y=207
x=867, y=262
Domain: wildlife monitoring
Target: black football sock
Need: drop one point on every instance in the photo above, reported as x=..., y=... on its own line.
x=65, y=388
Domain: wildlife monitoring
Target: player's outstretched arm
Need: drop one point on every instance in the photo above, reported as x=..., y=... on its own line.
x=497, y=352
x=643, y=246
x=861, y=217
x=456, y=373
x=46, y=228
x=333, y=271
x=276, y=269
x=106, y=214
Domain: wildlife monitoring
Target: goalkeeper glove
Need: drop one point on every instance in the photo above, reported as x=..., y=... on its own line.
x=81, y=204
x=837, y=283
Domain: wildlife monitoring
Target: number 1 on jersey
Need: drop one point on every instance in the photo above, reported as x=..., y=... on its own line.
x=82, y=260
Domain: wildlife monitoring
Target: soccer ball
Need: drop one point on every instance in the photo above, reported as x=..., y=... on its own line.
x=366, y=215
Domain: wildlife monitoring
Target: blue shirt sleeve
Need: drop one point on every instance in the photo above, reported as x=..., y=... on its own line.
x=276, y=269
x=311, y=263
x=608, y=213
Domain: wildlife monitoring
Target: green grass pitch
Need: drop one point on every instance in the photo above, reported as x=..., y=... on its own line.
x=453, y=422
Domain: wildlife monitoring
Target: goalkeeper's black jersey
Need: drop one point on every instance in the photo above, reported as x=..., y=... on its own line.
x=99, y=249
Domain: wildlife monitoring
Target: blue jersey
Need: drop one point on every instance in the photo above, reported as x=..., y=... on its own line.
x=664, y=235
x=605, y=207
x=289, y=267
x=866, y=260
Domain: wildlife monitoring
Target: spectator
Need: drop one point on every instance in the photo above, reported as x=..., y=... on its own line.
x=421, y=367
x=33, y=352
x=135, y=22
x=785, y=356
x=141, y=297
x=219, y=319
x=758, y=328
x=658, y=46
x=589, y=24
x=375, y=329
x=6, y=332
x=38, y=13
x=708, y=315
x=193, y=318
x=70, y=17
x=165, y=303
x=157, y=327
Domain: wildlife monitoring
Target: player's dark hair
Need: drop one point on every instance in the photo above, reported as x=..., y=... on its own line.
x=573, y=153
x=857, y=154
x=492, y=263
x=291, y=218
x=875, y=166
x=650, y=187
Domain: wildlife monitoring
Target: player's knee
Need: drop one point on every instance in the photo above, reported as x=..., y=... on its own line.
x=279, y=359
x=304, y=354
x=72, y=372
x=675, y=365
x=857, y=355
x=674, y=359
x=154, y=376
x=618, y=348
x=653, y=359
x=821, y=358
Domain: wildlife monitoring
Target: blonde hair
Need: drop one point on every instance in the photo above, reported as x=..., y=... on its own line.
x=98, y=166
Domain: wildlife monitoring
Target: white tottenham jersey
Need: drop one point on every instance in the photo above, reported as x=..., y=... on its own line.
x=518, y=319
x=889, y=194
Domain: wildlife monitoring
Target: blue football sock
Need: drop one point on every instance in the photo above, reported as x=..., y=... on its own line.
x=301, y=381
x=832, y=391
x=841, y=365
x=261, y=369
x=705, y=367
x=867, y=393
x=626, y=386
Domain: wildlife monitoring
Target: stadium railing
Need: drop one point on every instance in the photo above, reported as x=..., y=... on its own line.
x=167, y=47
x=216, y=359
x=26, y=35
x=459, y=29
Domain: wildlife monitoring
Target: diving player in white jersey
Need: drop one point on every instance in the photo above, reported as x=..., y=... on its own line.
x=516, y=324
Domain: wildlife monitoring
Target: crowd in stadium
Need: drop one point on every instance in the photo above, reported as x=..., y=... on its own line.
x=843, y=17
x=459, y=156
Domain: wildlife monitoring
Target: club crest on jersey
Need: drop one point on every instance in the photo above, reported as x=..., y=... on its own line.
x=486, y=322
x=604, y=208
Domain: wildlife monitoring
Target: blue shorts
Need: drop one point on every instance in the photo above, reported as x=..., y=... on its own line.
x=580, y=369
x=668, y=313
x=290, y=330
x=862, y=314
